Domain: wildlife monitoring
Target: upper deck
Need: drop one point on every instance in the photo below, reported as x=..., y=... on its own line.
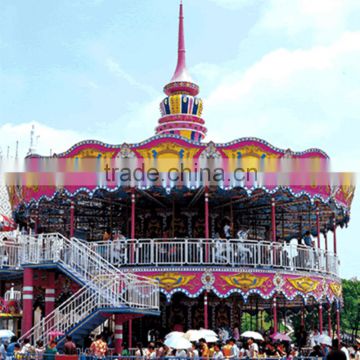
x=185, y=253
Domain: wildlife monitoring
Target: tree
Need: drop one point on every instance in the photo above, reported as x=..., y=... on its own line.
x=350, y=315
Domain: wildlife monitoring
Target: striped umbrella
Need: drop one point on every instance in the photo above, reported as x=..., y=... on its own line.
x=6, y=223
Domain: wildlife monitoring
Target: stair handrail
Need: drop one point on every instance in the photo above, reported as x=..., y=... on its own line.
x=77, y=256
x=62, y=317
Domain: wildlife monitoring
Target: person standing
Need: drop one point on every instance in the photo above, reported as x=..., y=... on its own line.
x=227, y=231
x=204, y=349
x=69, y=346
x=11, y=347
x=253, y=348
x=51, y=351
x=218, y=354
x=99, y=347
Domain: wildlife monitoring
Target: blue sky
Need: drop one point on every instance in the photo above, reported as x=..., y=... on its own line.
x=286, y=71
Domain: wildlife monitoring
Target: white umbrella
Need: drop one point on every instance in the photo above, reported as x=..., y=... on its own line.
x=252, y=334
x=324, y=339
x=193, y=335
x=211, y=339
x=174, y=333
x=6, y=334
x=178, y=343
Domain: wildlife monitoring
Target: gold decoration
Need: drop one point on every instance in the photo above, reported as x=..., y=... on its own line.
x=245, y=281
x=93, y=153
x=170, y=280
x=336, y=288
x=304, y=284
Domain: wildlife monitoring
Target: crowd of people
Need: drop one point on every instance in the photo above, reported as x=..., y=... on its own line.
x=201, y=350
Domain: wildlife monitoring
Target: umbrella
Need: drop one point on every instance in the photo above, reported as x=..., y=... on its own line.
x=193, y=335
x=55, y=333
x=174, y=333
x=6, y=334
x=6, y=223
x=325, y=339
x=280, y=337
x=252, y=334
x=178, y=343
x=208, y=335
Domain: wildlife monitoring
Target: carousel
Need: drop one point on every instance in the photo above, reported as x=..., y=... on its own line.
x=228, y=252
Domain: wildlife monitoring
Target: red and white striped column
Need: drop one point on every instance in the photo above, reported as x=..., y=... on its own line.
x=28, y=296
x=50, y=293
x=206, y=311
x=275, y=319
x=118, y=337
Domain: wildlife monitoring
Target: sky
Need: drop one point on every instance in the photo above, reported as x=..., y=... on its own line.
x=285, y=71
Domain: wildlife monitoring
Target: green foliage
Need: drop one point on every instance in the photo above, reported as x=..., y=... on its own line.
x=350, y=315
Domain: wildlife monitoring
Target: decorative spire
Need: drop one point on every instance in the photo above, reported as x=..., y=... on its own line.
x=181, y=73
x=181, y=110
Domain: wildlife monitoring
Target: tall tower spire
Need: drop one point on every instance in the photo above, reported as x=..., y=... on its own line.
x=181, y=73
x=181, y=110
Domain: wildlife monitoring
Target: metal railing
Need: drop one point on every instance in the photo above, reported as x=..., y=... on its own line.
x=233, y=253
x=9, y=253
x=105, y=285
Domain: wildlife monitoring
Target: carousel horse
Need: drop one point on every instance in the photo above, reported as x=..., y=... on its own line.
x=241, y=249
x=220, y=248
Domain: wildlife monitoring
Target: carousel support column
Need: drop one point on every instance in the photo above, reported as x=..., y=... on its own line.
x=320, y=318
x=132, y=232
x=118, y=337
x=273, y=228
x=318, y=227
x=329, y=321
x=133, y=203
x=50, y=293
x=72, y=219
x=206, y=311
x=334, y=230
x=302, y=320
x=275, y=315
x=207, y=249
x=36, y=225
x=326, y=251
x=338, y=321
x=28, y=295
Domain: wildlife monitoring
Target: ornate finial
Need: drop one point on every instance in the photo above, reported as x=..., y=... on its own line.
x=181, y=111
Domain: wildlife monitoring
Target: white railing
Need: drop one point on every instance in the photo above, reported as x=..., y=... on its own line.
x=9, y=253
x=79, y=306
x=80, y=260
x=235, y=253
x=93, y=271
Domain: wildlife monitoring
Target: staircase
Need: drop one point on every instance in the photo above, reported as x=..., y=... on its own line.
x=105, y=291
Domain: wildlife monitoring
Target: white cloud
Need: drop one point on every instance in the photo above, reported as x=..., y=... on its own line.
x=46, y=138
x=323, y=18
x=232, y=4
x=115, y=68
x=286, y=90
